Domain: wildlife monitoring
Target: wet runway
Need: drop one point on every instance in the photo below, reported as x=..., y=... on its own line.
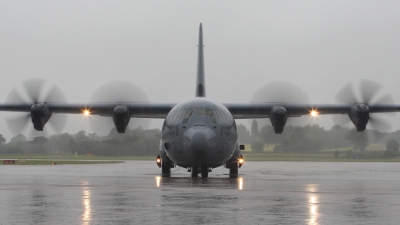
x=265, y=193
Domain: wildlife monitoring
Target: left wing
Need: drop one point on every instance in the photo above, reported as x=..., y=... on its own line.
x=140, y=110
x=121, y=112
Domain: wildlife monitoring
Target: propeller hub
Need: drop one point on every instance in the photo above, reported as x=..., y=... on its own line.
x=40, y=114
x=121, y=117
x=359, y=115
x=33, y=91
x=367, y=92
x=278, y=117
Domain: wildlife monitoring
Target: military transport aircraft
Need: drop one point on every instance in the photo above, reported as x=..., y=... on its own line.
x=198, y=134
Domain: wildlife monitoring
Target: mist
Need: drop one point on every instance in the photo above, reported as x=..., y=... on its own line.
x=81, y=45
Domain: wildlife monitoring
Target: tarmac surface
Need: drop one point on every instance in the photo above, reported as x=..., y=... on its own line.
x=265, y=193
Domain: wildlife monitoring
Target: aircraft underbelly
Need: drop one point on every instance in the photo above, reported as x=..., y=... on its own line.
x=214, y=155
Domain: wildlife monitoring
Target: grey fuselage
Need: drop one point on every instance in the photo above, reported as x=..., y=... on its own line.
x=199, y=132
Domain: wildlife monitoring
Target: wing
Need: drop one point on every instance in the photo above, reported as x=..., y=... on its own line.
x=359, y=113
x=41, y=113
x=139, y=110
x=263, y=110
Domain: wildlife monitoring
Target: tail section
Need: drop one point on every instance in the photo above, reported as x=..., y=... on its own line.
x=200, y=84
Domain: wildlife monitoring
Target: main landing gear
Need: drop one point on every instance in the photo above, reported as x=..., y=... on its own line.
x=234, y=164
x=165, y=166
x=234, y=170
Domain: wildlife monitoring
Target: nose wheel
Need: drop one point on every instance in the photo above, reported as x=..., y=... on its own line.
x=195, y=172
x=204, y=172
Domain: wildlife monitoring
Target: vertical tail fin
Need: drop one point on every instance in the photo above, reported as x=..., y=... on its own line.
x=200, y=84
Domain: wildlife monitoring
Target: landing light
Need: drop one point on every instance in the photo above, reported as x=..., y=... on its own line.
x=158, y=160
x=86, y=112
x=314, y=113
x=241, y=161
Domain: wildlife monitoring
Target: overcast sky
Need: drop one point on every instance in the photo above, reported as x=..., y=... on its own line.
x=80, y=45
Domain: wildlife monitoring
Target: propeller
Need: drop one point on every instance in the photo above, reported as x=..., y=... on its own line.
x=117, y=91
x=367, y=92
x=281, y=91
x=34, y=91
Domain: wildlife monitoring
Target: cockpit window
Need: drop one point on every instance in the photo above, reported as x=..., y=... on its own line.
x=199, y=112
x=212, y=114
x=209, y=112
x=180, y=113
x=218, y=112
x=188, y=113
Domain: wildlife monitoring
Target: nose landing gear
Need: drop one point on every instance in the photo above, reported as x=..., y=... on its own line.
x=204, y=172
x=194, y=170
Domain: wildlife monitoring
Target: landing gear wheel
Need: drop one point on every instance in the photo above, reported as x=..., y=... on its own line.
x=165, y=169
x=204, y=172
x=233, y=170
x=195, y=172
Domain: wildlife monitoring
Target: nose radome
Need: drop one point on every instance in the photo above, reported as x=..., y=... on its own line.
x=199, y=138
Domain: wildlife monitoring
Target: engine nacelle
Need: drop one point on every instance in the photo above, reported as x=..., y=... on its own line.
x=121, y=117
x=359, y=115
x=40, y=114
x=278, y=117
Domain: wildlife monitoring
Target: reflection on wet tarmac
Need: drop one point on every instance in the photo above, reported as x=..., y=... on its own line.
x=312, y=204
x=265, y=193
x=40, y=206
x=240, y=183
x=158, y=181
x=87, y=207
x=229, y=183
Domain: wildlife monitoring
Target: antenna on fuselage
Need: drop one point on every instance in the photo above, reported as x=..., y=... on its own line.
x=200, y=84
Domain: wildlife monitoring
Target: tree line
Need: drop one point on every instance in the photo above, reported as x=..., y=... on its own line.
x=313, y=138
x=136, y=142
x=309, y=138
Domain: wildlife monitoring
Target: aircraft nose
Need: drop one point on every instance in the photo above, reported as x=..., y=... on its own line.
x=199, y=138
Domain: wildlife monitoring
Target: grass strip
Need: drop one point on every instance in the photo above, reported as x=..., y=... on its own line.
x=60, y=162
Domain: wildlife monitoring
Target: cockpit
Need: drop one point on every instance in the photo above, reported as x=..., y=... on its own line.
x=185, y=113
